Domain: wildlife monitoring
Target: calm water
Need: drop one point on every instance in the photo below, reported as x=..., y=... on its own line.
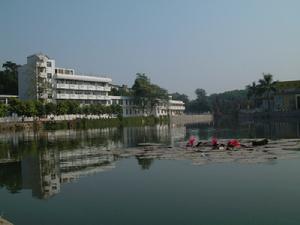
x=66, y=177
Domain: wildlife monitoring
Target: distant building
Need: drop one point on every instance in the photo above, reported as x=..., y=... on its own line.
x=163, y=108
x=40, y=79
x=286, y=98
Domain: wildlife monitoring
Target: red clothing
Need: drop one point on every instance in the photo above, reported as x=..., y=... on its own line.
x=214, y=141
x=191, y=141
x=234, y=143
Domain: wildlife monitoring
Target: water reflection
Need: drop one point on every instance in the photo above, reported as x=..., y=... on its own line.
x=42, y=162
x=145, y=163
x=231, y=128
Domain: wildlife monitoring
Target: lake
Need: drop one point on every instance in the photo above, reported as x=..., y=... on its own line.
x=67, y=177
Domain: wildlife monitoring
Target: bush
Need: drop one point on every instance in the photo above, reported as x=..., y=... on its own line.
x=3, y=110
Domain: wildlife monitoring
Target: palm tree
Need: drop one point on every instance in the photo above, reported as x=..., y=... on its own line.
x=252, y=92
x=266, y=87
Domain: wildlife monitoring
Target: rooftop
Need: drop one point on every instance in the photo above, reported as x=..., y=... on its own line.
x=292, y=84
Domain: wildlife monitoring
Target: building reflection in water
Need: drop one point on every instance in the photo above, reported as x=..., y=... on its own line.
x=43, y=161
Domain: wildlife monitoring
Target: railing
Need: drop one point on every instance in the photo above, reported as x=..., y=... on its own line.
x=82, y=96
x=82, y=87
x=64, y=86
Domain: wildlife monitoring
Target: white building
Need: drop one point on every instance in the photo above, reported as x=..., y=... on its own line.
x=41, y=79
x=170, y=107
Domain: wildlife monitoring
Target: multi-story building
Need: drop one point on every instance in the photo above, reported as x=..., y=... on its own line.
x=41, y=79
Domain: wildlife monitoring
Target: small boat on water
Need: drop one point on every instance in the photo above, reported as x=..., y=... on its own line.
x=260, y=142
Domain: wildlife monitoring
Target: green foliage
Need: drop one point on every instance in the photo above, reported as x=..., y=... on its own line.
x=264, y=89
x=147, y=94
x=9, y=79
x=40, y=108
x=200, y=104
x=122, y=91
x=62, y=108
x=50, y=108
x=16, y=106
x=73, y=107
x=29, y=108
x=3, y=110
x=228, y=103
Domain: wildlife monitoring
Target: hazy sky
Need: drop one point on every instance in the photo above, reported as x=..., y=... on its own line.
x=180, y=44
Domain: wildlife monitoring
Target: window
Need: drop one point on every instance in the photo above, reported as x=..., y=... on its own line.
x=49, y=75
x=49, y=64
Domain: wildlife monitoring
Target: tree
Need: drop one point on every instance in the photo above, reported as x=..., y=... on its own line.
x=3, y=110
x=73, y=107
x=201, y=94
x=267, y=87
x=16, y=106
x=252, y=92
x=146, y=94
x=40, y=108
x=62, y=108
x=29, y=109
x=228, y=102
x=200, y=104
x=50, y=108
x=10, y=66
x=9, y=78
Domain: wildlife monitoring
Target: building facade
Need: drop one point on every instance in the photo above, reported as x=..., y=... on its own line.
x=40, y=79
x=286, y=98
x=162, y=108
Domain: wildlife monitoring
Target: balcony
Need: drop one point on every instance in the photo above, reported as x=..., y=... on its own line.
x=83, y=96
x=101, y=88
x=62, y=86
x=82, y=87
x=62, y=96
x=73, y=86
x=74, y=96
x=177, y=108
x=91, y=87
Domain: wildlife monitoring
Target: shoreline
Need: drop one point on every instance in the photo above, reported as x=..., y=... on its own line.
x=90, y=122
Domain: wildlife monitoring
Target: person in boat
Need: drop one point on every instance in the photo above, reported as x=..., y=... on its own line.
x=233, y=143
x=191, y=141
x=214, y=143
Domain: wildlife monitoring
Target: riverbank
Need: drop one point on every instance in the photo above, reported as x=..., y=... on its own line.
x=82, y=123
x=73, y=122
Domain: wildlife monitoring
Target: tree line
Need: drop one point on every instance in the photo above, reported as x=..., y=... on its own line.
x=33, y=108
x=147, y=95
x=230, y=102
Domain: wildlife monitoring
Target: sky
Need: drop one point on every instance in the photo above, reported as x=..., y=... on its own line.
x=217, y=45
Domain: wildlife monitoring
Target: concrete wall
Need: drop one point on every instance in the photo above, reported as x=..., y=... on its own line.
x=186, y=119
